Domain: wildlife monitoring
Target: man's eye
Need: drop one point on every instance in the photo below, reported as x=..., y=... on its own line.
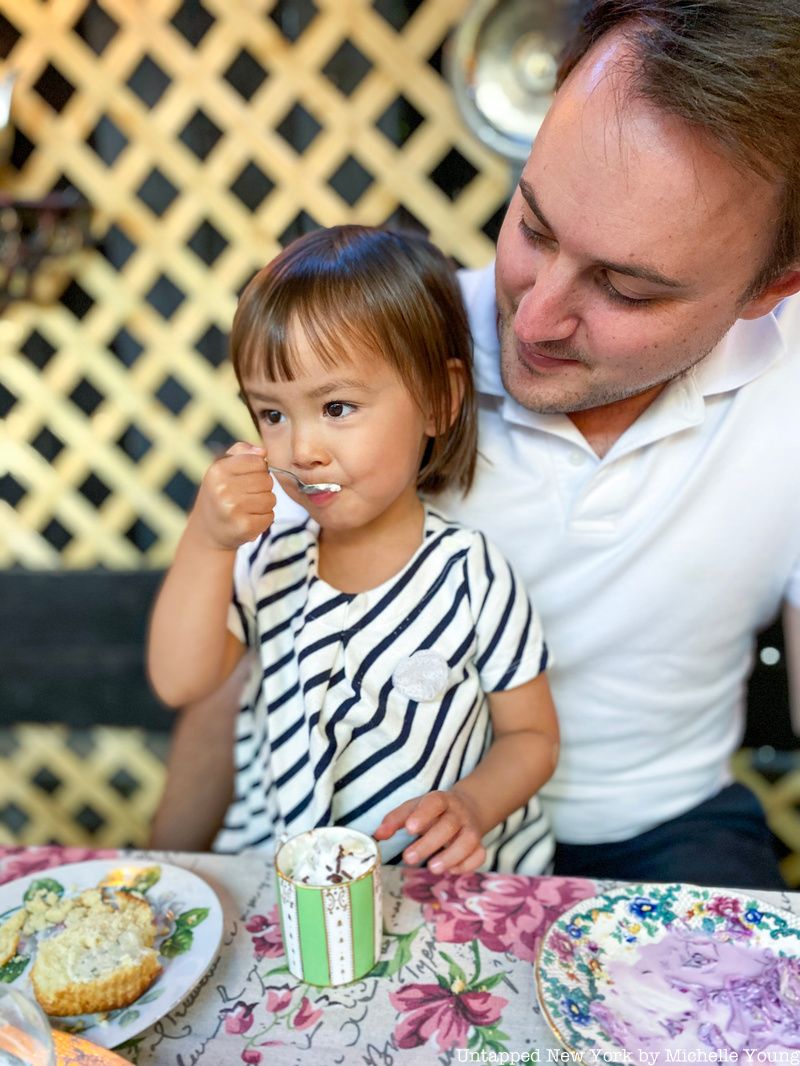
x=616, y=296
x=533, y=235
x=338, y=409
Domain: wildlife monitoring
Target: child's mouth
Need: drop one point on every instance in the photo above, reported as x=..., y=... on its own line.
x=320, y=499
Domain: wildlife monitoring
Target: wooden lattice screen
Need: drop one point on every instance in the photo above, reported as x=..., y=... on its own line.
x=205, y=135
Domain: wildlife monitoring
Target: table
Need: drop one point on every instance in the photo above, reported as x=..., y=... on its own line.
x=456, y=971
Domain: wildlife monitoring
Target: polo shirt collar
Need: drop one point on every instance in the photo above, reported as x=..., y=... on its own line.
x=746, y=351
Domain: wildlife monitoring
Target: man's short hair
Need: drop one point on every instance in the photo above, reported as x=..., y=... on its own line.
x=730, y=68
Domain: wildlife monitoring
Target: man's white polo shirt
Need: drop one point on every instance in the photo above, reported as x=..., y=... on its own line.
x=652, y=568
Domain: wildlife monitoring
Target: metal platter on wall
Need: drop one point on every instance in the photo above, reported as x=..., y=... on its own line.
x=502, y=63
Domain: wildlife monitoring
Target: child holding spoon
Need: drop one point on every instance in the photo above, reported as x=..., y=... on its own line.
x=401, y=688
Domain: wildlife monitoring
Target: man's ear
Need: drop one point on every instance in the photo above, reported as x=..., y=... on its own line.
x=787, y=284
x=457, y=374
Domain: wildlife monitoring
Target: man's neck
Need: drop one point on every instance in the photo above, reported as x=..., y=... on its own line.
x=603, y=426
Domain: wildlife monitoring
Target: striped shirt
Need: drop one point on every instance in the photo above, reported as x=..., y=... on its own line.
x=366, y=700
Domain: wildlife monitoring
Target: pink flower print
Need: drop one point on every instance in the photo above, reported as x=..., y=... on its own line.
x=250, y=1055
x=563, y=946
x=270, y=944
x=517, y=910
x=514, y=918
x=306, y=1016
x=418, y=884
x=278, y=1001
x=21, y=861
x=239, y=1018
x=426, y=887
x=455, y=922
x=445, y=903
x=505, y=912
x=433, y=1011
x=724, y=906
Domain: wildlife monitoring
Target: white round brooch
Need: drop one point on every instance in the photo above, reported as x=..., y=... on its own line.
x=421, y=676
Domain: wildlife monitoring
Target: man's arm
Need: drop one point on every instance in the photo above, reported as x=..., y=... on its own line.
x=199, y=780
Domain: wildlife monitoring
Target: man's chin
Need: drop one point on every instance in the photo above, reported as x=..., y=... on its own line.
x=543, y=395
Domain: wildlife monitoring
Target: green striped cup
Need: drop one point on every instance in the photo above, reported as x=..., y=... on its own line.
x=331, y=933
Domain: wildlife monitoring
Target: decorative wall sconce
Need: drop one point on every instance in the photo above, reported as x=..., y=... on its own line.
x=34, y=233
x=502, y=62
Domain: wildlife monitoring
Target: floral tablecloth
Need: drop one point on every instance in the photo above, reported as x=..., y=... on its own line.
x=456, y=974
x=456, y=971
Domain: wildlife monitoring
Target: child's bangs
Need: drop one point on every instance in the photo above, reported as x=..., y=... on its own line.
x=332, y=327
x=310, y=320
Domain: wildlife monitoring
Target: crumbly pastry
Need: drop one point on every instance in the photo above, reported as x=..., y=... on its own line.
x=101, y=959
x=9, y=936
x=45, y=909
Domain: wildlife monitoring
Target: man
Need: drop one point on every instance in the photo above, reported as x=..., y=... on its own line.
x=639, y=419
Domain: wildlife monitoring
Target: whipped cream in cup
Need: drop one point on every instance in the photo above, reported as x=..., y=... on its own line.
x=329, y=895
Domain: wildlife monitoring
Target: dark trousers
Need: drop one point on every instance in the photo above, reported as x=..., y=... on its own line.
x=724, y=843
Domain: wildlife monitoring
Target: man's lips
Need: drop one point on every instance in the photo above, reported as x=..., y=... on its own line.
x=535, y=357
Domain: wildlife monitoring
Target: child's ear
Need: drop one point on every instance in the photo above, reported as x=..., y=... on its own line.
x=456, y=372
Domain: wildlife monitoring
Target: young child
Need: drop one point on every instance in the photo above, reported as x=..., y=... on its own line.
x=400, y=687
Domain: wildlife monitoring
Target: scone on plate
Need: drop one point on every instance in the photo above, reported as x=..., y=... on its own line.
x=101, y=960
x=9, y=936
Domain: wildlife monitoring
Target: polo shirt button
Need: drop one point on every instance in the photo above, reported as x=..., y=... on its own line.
x=577, y=458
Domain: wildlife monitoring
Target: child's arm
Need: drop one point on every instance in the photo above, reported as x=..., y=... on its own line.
x=190, y=649
x=522, y=757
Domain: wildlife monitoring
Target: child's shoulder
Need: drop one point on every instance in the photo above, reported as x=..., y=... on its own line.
x=281, y=544
x=452, y=533
x=477, y=548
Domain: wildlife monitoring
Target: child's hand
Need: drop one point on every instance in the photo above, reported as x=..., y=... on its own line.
x=442, y=820
x=235, y=502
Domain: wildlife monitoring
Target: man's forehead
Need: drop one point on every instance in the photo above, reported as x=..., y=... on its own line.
x=600, y=109
x=602, y=104
x=631, y=181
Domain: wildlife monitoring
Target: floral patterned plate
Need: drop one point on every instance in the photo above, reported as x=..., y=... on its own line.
x=187, y=912
x=648, y=968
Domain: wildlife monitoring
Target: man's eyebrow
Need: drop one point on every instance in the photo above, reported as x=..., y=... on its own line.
x=645, y=273
x=529, y=197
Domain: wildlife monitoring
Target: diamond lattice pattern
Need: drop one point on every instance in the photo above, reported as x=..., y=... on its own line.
x=205, y=135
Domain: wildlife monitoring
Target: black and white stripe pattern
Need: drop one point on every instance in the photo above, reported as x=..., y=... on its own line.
x=329, y=737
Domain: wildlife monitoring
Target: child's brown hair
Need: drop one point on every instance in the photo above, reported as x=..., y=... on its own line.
x=394, y=293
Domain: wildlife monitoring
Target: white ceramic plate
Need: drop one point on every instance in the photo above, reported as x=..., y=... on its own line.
x=184, y=905
x=661, y=970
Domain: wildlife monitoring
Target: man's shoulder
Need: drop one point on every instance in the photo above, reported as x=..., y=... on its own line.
x=477, y=289
x=787, y=315
x=476, y=282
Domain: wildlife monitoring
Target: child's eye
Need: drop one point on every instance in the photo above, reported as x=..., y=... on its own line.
x=338, y=409
x=271, y=416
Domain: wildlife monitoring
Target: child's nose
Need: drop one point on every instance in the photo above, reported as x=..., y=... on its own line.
x=308, y=448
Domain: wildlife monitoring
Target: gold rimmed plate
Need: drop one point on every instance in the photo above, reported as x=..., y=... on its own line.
x=655, y=968
x=187, y=914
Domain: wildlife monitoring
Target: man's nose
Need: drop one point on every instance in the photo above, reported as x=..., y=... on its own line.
x=547, y=311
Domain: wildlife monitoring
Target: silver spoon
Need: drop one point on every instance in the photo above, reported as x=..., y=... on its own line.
x=304, y=487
